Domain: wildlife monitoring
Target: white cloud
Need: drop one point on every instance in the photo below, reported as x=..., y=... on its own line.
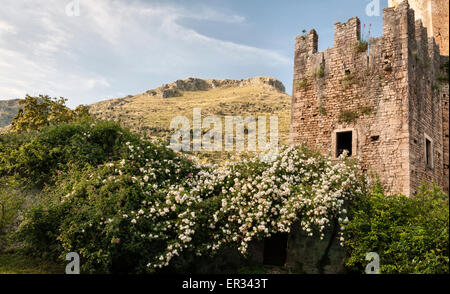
x=100, y=82
x=6, y=28
x=114, y=47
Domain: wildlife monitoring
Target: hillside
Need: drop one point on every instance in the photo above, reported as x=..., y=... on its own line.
x=8, y=110
x=151, y=112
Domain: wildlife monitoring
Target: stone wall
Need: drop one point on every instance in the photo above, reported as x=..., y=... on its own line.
x=384, y=96
x=435, y=17
x=425, y=108
x=310, y=255
x=304, y=255
x=440, y=16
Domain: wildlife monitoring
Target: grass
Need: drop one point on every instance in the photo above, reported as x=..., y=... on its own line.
x=322, y=109
x=348, y=80
x=303, y=84
x=14, y=263
x=442, y=79
x=320, y=72
x=366, y=110
x=436, y=88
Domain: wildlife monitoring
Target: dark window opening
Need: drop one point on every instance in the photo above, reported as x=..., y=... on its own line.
x=344, y=142
x=275, y=250
x=428, y=153
x=374, y=138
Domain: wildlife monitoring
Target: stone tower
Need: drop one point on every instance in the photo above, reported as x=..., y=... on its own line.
x=385, y=101
x=435, y=17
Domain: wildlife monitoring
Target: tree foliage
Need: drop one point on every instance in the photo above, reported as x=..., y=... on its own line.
x=35, y=158
x=38, y=112
x=411, y=235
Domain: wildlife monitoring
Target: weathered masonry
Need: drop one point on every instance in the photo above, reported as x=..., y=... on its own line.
x=435, y=17
x=385, y=101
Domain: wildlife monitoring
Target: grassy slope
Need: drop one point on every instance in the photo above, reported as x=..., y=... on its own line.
x=152, y=115
x=18, y=264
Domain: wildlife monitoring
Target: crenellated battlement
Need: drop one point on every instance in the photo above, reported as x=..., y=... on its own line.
x=384, y=92
x=399, y=28
x=347, y=33
x=435, y=17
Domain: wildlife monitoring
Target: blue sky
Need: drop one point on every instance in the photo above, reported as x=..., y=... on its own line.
x=115, y=48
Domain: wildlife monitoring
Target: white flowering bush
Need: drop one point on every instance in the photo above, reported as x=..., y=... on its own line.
x=98, y=211
x=152, y=208
x=250, y=199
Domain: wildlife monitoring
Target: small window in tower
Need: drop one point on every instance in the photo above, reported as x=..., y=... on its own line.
x=344, y=142
x=429, y=153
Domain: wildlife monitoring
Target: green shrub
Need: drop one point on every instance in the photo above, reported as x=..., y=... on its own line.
x=443, y=77
x=75, y=212
x=436, y=88
x=303, y=84
x=410, y=234
x=361, y=46
x=348, y=116
x=11, y=201
x=366, y=109
x=348, y=80
x=322, y=109
x=320, y=72
x=35, y=158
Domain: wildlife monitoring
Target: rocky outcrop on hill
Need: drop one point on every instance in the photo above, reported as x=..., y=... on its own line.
x=175, y=89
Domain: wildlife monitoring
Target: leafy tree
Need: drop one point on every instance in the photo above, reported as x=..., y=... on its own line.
x=42, y=111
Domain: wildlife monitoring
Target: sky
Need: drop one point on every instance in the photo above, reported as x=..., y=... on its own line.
x=88, y=51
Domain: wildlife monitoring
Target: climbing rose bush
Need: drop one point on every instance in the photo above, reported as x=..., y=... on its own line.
x=249, y=199
x=142, y=212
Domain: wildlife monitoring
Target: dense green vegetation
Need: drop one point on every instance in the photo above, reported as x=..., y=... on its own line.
x=128, y=205
x=93, y=201
x=409, y=234
x=35, y=158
